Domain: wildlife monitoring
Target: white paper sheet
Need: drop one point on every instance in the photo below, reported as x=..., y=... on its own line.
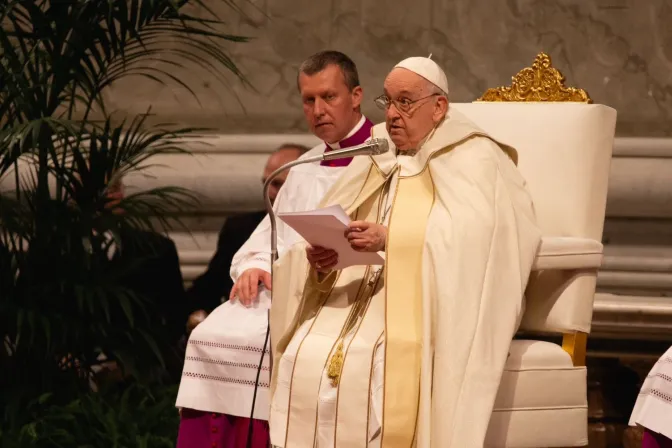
x=325, y=227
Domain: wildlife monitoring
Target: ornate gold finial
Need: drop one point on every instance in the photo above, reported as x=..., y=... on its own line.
x=541, y=82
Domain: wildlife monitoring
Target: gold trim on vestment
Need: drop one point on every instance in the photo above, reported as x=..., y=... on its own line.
x=403, y=309
x=335, y=344
x=337, y=359
x=372, y=184
x=366, y=181
x=335, y=281
x=312, y=358
x=291, y=383
x=351, y=392
x=370, y=404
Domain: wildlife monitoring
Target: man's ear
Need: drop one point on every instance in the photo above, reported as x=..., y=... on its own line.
x=357, y=95
x=440, y=109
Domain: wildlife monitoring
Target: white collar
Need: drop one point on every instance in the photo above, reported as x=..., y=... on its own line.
x=357, y=127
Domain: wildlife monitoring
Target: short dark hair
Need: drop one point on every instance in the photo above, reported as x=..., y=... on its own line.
x=319, y=61
x=301, y=148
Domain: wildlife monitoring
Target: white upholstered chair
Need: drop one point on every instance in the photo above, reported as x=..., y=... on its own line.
x=565, y=146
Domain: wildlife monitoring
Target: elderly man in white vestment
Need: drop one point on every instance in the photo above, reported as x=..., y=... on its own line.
x=410, y=353
x=220, y=376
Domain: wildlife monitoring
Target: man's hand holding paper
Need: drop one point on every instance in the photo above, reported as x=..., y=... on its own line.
x=366, y=236
x=321, y=259
x=335, y=241
x=361, y=235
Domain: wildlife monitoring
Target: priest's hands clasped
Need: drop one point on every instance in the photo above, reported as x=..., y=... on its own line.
x=363, y=236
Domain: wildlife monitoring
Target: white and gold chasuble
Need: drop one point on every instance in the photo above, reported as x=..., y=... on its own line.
x=356, y=352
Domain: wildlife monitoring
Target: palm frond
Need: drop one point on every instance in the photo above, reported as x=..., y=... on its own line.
x=65, y=292
x=68, y=52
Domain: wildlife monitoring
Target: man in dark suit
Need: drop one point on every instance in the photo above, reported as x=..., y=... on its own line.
x=212, y=287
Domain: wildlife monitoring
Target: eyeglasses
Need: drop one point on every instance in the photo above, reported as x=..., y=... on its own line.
x=403, y=104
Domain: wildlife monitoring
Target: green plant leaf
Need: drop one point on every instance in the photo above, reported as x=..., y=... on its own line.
x=64, y=291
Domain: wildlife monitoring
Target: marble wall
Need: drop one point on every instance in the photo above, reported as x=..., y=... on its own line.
x=620, y=51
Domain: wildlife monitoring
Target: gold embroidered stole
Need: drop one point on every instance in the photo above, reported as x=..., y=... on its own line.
x=403, y=310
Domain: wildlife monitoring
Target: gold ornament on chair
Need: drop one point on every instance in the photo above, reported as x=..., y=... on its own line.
x=540, y=83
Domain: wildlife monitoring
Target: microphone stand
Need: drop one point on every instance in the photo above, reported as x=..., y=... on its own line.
x=269, y=205
x=375, y=146
x=274, y=258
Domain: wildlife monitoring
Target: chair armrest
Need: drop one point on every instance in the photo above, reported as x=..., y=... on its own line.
x=568, y=253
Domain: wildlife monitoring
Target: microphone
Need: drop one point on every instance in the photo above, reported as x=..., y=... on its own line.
x=372, y=148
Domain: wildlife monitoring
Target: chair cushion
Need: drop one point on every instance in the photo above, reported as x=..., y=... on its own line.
x=568, y=253
x=542, y=399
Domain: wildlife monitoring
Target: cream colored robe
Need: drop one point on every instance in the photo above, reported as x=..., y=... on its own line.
x=461, y=241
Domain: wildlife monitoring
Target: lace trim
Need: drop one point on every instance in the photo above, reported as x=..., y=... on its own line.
x=244, y=348
x=657, y=394
x=201, y=376
x=667, y=378
x=225, y=363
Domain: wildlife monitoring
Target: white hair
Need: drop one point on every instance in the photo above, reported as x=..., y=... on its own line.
x=434, y=89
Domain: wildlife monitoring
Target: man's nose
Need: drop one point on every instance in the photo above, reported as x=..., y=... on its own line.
x=318, y=107
x=392, y=113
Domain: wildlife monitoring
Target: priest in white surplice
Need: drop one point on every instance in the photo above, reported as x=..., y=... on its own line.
x=409, y=354
x=223, y=354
